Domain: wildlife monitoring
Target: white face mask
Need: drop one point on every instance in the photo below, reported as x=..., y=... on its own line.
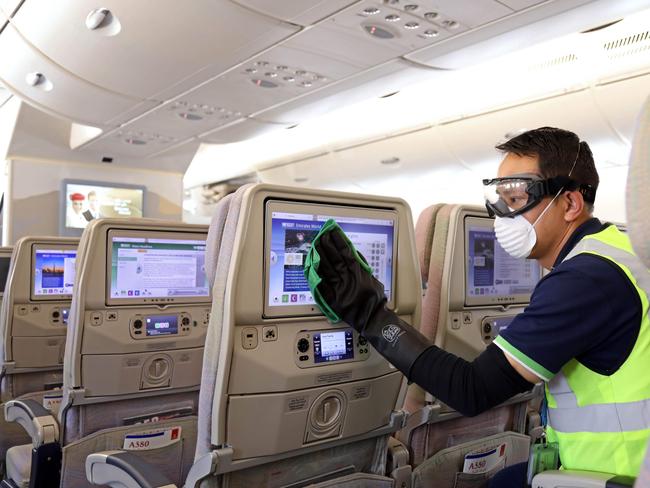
x=516, y=235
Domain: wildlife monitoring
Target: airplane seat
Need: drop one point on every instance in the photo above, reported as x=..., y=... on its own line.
x=637, y=207
x=424, y=231
x=221, y=235
x=134, y=350
x=462, y=322
x=638, y=199
x=35, y=307
x=288, y=399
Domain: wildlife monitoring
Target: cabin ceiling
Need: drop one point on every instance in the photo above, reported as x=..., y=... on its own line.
x=158, y=80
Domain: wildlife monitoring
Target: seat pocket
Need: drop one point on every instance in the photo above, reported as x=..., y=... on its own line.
x=170, y=451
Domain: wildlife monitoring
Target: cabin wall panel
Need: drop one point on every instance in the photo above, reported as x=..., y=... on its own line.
x=32, y=200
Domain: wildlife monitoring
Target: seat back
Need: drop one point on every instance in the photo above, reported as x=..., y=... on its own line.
x=280, y=411
x=638, y=203
x=465, y=304
x=36, y=299
x=5, y=262
x=135, y=344
x=425, y=231
x=638, y=199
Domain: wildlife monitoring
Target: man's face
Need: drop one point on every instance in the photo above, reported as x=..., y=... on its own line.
x=77, y=206
x=550, y=228
x=92, y=203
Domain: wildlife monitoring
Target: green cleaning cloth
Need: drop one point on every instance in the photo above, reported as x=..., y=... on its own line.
x=312, y=262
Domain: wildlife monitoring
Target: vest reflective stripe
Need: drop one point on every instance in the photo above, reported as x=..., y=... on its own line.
x=602, y=423
x=604, y=417
x=630, y=261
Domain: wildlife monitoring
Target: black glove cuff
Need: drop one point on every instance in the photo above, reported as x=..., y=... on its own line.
x=396, y=340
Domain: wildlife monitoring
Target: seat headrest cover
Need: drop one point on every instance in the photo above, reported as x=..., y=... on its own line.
x=215, y=233
x=638, y=186
x=424, y=237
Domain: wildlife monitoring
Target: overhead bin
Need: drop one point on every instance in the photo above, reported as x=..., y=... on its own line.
x=132, y=142
x=157, y=50
x=619, y=103
x=303, y=12
x=280, y=74
x=35, y=78
x=239, y=131
x=489, y=129
x=370, y=33
x=378, y=81
x=184, y=119
x=417, y=151
x=523, y=29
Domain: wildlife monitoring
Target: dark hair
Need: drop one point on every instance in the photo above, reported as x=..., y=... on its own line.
x=556, y=150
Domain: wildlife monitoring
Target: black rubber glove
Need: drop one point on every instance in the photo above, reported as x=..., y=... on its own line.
x=358, y=298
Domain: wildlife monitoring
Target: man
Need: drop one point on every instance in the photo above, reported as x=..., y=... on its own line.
x=76, y=217
x=93, y=207
x=586, y=332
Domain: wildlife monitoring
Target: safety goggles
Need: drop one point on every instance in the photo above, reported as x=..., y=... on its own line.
x=514, y=195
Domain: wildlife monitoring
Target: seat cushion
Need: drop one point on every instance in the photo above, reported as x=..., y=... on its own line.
x=19, y=464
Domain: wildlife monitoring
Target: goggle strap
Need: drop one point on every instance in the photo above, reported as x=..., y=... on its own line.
x=554, y=185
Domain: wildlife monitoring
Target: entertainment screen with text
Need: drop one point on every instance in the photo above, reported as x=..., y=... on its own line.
x=158, y=268
x=291, y=238
x=492, y=272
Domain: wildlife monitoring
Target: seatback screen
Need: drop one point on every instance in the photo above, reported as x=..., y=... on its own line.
x=492, y=275
x=5, y=261
x=157, y=325
x=152, y=268
x=291, y=234
x=53, y=272
x=337, y=345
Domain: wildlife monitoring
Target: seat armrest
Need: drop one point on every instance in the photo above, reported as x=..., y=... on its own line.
x=37, y=421
x=581, y=479
x=120, y=469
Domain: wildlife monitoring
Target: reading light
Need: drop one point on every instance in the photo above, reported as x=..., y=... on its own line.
x=39, y=80
x=411, y=25
x=135, y=142
x=371, y=11
x=378, y=32
x=97, y=17
x=102, y=20
x=411, y=7
x=431, y=15
x=390, y=161
x=264, y=83
x=392, y=18
x=34, y=79
x=188, y=116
